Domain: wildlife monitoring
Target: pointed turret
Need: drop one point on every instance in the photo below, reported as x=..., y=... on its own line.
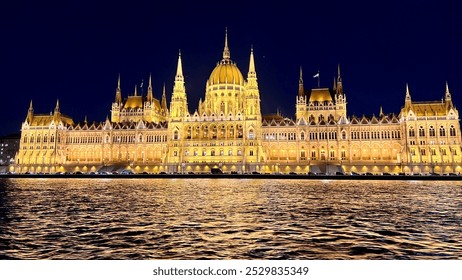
x=252, y=63
x=252, y=83
x=301, y=89
x=226, y=53
x=252, y=92
x=447, y=95
x=179, y=69
x=407, y=100
x=57, y=112
x=381, y=112
x=334, y=86
x=30, y=112
x=118, y=97
x=57, y=106
x=408, y=95
x=150, y=95
x=179, y=105
x=135, y=93
x=339, y=81
x=164, y=100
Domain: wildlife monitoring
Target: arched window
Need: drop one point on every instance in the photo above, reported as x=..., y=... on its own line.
x=421, y=131
x=343, y=135
x=302, y=135
x=442, y=131
x=452, y=131
x=175, y=135
x=431, y=131
x=411, y=132
x=251, y=134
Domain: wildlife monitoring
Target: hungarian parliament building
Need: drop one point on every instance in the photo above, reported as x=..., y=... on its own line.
x=228, y=131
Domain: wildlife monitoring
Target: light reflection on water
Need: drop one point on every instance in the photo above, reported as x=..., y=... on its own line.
x=229, y=219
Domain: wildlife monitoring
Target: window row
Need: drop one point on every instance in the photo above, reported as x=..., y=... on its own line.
x=291, y=136
x=387, y=134
x=432, y=131
x=433, y=152
x=211, y=153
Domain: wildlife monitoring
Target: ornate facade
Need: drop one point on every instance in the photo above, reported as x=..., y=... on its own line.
x=227, y=131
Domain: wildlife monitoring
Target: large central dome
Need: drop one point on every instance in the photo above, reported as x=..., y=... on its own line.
x=226, y=71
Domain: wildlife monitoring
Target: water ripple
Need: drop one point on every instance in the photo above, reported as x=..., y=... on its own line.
x=229, y=219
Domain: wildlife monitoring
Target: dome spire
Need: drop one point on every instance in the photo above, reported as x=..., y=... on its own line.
x=226, y=54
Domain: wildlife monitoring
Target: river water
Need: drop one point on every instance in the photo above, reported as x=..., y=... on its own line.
x=229, y=219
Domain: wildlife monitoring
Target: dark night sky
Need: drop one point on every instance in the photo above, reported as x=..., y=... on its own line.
x=74, y=50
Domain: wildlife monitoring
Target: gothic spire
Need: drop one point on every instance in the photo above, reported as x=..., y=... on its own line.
x=150, y=96
x=252, y=72
x=164, y=99
x=339, y=81
x=407, y=99
x=57, y=106
x=338, y=72
x=447, y=95
x=135, y=93
x=179, y=69
x=408, y=95
x=30, y=113
x=301, y=89
x=226, y=53
x=118, y=97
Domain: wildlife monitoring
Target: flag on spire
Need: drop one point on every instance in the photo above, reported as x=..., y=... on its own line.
x=317, y=76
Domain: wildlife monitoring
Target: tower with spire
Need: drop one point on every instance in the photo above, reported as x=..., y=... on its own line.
x=300, y=103
x=340, y=97
x=179, y=103
x=117, y=104
x=323, y=104
x=135, y=107
x=252, y=92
